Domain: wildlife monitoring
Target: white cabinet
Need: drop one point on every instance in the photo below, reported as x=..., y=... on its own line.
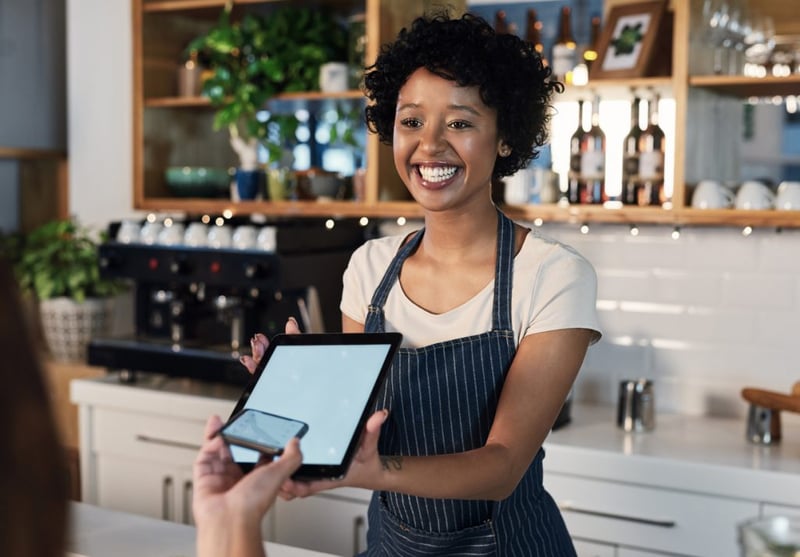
x=654, y=519
x=586, y=548
x=339, y=520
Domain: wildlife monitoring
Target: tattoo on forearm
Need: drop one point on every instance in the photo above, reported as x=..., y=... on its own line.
x=392, y=462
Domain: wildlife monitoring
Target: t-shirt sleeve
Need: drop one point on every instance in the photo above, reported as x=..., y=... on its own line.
x=354, y=304
x=565, y=295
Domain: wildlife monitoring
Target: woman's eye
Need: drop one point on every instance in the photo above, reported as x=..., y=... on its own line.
x=460, y=125
x=410, y=123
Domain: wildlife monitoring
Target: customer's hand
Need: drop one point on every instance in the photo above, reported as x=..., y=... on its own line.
x=259, y=344
x=228, y=505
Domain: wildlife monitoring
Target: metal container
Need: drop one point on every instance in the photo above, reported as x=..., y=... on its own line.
x=636, y=405
x=763, y=425
x=775, y=536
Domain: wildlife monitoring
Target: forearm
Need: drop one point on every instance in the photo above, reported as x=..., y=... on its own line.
x=230, y=538
x=488, y=473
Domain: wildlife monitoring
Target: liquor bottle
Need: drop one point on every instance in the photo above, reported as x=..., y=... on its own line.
x=593, y=159
x=590, y=54
x=630, y=158
x=574, y=181
x=563, y=56
x=533, y=33
x=501, y=22
x=652, y=146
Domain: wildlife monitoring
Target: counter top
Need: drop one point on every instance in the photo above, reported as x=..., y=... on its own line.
x=689, y=453
x=98, y=532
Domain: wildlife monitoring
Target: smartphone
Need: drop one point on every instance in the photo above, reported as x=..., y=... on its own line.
x=261, y=431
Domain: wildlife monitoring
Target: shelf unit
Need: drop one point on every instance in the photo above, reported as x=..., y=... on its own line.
x=156, y=105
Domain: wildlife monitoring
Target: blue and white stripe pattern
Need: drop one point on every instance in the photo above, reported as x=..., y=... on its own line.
x=442, y=399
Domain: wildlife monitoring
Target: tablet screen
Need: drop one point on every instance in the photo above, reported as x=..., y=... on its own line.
x=329, y=382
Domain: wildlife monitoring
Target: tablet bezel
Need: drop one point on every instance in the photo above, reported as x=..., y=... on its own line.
x=325, y=471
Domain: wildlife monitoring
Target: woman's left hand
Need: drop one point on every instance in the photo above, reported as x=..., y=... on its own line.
x=365, y=469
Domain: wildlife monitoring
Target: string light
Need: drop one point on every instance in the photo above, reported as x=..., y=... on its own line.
x=634, y=230
x=363, y=221
x=747, y=230
x=538, y=221
x=676, y=233
x=584, y=228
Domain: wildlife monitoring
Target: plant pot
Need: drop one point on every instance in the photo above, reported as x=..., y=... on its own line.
x=249, y=183
x=68, y=326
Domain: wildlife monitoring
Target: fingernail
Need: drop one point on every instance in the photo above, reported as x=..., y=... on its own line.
x=293, y=320
x=242, y=360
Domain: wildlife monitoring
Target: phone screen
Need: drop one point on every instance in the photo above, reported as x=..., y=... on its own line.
x=262, y=431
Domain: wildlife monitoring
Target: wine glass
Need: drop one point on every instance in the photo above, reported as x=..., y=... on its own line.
x=716, y=14
x=758, y=45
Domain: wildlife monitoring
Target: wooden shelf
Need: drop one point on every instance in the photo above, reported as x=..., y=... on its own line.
x=200, y=102
x=184, y=5
x=618, y=88
x=739, y=86
x=577, y=214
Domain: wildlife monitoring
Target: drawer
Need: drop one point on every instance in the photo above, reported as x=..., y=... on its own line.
x=152, y=437
x=649, y=518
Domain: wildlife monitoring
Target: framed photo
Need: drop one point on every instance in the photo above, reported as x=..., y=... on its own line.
x=627, y=43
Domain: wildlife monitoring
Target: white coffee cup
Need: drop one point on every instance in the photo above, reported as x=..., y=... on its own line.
x=754, y=195
x=333, y=77
x=244, y=237
x=150, y=231
x=267, y=238
x=129, y=232
x=788, y=198
x=196, y=235
x=220, y=237
x=171, y=235
x=711, y=194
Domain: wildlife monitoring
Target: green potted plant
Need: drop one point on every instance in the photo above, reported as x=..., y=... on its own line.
x=58, y=265
x=260, y=56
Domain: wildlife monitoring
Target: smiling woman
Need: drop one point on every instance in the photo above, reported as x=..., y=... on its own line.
x=495, y=318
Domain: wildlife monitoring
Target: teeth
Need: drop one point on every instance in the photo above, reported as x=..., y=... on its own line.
x=437, y=173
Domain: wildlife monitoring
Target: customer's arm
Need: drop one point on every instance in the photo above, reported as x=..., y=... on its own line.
x=229, y=506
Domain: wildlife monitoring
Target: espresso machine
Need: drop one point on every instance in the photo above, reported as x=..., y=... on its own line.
x=196, y=308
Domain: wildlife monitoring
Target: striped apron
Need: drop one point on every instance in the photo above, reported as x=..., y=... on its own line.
x=442, y=399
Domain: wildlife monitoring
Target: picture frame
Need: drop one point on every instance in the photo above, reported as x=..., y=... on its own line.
x=626, y=44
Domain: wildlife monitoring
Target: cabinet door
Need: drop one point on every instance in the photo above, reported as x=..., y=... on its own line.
x=324, y=523
x=770, y=509
x=652, y=518
x=586, y=548
x=627, y=552
x=142, y=487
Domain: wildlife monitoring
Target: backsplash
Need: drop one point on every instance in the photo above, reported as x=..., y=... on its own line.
x=702, y=315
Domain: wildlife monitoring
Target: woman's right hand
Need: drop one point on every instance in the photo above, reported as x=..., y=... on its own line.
x=259, y=344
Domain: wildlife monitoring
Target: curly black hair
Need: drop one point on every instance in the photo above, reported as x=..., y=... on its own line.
x=509, y=72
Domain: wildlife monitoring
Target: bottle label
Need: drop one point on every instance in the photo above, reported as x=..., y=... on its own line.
x=651, y=165
x=592, y=165
x=564, y=59
x=630, y=167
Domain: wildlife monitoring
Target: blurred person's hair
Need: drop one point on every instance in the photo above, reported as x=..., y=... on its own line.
x=33, y=479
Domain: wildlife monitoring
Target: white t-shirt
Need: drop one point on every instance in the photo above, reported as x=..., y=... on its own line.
x=554, y=288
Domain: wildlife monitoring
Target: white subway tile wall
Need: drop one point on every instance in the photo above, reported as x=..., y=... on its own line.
x=702, y=315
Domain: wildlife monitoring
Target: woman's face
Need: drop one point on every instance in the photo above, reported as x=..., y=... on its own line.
x=445, y=141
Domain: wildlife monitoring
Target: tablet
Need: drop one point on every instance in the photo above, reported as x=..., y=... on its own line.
x=327, y=381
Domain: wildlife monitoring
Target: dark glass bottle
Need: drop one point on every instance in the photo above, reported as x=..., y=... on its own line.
x=563, y=55
x=652, y=146
x=590, y=54
x=593, y=159
x=533, y=33
x=574, y=181
x=501, y=22
x=630, y=158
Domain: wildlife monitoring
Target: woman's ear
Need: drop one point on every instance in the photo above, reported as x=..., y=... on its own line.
x=503, y=150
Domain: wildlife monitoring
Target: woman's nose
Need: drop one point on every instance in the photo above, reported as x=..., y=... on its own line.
x=433, y=140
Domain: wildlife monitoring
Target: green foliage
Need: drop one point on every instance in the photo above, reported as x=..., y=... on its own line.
x=259, y=57
x=60, y=258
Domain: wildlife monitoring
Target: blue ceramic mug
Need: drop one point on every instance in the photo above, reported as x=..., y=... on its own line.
x=249, y=183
